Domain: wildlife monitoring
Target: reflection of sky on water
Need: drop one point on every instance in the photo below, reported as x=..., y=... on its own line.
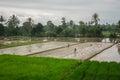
x=111, y=54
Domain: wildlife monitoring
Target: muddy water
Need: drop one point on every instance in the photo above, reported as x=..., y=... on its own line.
x=111, y=54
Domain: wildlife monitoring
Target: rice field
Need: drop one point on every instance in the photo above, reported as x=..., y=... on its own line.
x=96, y=71
x=44, y=68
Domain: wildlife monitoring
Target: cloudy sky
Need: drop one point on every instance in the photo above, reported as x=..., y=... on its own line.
x=77, y=10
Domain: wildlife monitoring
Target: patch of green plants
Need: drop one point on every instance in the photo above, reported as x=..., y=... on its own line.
x=79, y=72
x=114, y=73
x=102, y=72
x=106, y=33
x=14, y=67
x=91, y=71
x=18, y=44
x=96, y=71
x=33, y=68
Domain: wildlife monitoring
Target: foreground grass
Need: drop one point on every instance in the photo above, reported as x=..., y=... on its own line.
x=39, y=68
x=32, y=68
x=18, y=44
x=96, y=71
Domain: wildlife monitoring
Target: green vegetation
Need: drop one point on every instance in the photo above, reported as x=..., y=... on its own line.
x=18, y=44
x=114, y=73
x=66, y=29
x=96, y=71
x=31, y=68
x=106, y=33
x=39, y=68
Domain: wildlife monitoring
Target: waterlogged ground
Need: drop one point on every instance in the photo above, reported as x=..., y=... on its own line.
x=34, y=48
x=111, y=54
x=61, y=50
x=83, y=51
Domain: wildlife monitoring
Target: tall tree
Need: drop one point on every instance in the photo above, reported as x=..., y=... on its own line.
x=1, y=19
x=71, y=23
x=81, y=23
x=58, y=30
x=118, y=27
x=27, y=26
x=95, y=18
x=50, y=24
x=64, y=25
x=2, y=30
x=12, y=23
x=37, y=30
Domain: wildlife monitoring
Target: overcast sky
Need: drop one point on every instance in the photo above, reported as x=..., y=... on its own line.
x=77, y=10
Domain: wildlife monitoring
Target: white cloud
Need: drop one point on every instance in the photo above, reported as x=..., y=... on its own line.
x=44, y=10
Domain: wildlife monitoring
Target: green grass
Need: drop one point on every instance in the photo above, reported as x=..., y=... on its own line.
x=96, y=71
x=106, y=33
x=32, y=68
x=114, y=73
x=39, y=68
x=79, y=72
x=102, y=73
x=18, y=44
x=91, y=71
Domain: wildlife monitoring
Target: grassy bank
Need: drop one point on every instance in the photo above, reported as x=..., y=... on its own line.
x=18, y=44
x=39, y=68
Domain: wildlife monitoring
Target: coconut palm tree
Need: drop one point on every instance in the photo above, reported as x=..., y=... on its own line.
x=27, y=25
x=95, y=18
x=118, y=27
x=1, y=19
x=13, y=21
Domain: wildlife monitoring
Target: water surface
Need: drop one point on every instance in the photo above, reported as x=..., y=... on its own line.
x=111, y=54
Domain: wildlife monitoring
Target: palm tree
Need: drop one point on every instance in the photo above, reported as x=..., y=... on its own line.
x=118, y=27
x=50, y=24
x=81, y=23
x=63, y=22
x=28, y=24
x=119, y=23
x=13, y=21
x=95, y=19
x=71, y=23
x=30, y=21
x=1, y=19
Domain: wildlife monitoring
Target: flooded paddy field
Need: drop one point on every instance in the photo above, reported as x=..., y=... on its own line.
x=86, y=48
x=83, y=51
x=111, y=54
x=34, y=48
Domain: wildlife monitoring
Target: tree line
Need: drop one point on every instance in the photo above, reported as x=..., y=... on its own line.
x=11, y=27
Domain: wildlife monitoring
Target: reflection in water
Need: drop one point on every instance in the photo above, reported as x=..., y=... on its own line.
x=118, y=46
x=109, y=55
x=69, y=39
x=63, y=39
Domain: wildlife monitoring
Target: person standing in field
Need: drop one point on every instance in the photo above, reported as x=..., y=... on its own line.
x=75, y=51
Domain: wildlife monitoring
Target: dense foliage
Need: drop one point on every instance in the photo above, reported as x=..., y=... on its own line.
x=66, y=29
